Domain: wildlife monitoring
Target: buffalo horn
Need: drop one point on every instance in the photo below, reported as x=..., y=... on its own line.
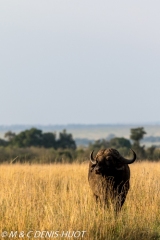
x=124, y=160
x=92, y=159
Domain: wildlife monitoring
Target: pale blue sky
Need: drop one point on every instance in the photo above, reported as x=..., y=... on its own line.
x=69, y=61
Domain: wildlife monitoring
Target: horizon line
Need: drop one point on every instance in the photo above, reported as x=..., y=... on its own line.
x=80, y=124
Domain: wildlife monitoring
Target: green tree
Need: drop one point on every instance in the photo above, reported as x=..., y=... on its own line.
x=119, y=142
x=28, y=138
x=49, y=140
x=99, y=144
x=137, y=134
x=3, y=142
x=150, y=152
x=66, y=141
x=9, y=135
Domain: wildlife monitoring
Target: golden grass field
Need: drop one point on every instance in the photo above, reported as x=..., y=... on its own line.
x=58, y=198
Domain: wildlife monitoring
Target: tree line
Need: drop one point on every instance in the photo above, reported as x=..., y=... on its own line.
x=36, y=138
x=35, y=146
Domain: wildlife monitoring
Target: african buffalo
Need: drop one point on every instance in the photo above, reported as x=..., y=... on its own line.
x=109, y=176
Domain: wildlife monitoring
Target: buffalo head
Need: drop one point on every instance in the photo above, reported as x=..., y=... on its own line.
x=109, y=160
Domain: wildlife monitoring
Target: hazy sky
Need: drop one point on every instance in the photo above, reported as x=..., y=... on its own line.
x=79, y=61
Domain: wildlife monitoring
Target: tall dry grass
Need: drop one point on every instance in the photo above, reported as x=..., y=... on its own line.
x=58, y=198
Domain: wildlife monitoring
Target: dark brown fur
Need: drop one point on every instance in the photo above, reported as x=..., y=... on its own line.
x=109, y=178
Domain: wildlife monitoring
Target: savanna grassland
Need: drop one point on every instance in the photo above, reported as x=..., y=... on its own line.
x=58, y=198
